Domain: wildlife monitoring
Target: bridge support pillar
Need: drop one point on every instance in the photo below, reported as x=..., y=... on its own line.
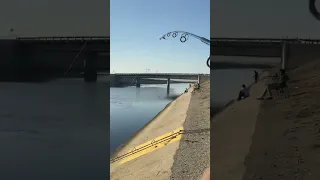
x=284, y=52
x=168, y=86
x=138, y=84
x=90, y=73
x=22, y=64
x=199, y=79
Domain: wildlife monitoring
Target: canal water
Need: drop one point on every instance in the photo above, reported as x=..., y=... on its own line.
x=54, y=130
x=131, y=108
x=226, y=84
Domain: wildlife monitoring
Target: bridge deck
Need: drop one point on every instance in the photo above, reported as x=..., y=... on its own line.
x=160, y=75
x=215, y=41
x=65, y=44
x=254, y=47
x=53, y=55
x=231, y=65
x=65, y=38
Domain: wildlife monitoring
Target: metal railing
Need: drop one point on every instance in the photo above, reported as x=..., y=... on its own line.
x=65, y=38
x=158, y=74
x=215, y=41
x=155, y=142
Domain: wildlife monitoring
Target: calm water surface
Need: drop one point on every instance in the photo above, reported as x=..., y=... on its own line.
x=54, y=130
x=131, y=108
x=226, y=84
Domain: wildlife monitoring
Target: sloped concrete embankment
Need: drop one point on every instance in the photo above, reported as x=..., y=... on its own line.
x=231, y=136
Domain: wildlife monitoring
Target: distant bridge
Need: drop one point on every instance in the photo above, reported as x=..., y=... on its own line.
x=55, y=56
x=191, y=76
x=123, y=79
x=285, y=49
x=99, y=44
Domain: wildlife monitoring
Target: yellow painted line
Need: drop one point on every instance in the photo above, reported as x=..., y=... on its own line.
x=153, y=147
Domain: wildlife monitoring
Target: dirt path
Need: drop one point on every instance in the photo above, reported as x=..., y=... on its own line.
x=286, y=143
x=193, y=155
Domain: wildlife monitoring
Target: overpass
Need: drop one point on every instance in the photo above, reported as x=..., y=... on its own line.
x=289, y=50
x=48, y=57
x=123, y=79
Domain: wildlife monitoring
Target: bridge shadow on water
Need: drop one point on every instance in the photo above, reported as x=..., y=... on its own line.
x=171, y=96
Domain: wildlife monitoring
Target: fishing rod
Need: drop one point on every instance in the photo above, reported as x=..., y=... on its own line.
x=313, y=9
x=184, y=37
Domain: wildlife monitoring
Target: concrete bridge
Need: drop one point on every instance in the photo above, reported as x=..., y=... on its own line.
x=125, y=79
x=289, y=50
x=47, y=57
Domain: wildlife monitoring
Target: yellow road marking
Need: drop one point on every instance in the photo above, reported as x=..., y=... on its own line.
x=153, y=147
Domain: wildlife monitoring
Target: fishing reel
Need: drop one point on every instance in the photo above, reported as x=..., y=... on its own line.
x=313, y=9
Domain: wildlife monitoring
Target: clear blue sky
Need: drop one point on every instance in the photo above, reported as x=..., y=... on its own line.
x=137, y=25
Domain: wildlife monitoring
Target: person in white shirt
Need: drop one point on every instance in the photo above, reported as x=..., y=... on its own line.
x=244, y=93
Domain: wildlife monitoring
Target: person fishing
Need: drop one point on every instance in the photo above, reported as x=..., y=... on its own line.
x=256, y=76
x=244, y=92
x=280, y=83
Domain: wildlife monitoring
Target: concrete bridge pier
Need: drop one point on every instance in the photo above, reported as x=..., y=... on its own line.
x=284, y=52
x=138, y=84
x=90, y=73
x=199, y=79
x=22, y=64
x=168, y=86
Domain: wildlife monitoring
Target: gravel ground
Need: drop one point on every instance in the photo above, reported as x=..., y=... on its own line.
x=286, y=143
x=193, y=155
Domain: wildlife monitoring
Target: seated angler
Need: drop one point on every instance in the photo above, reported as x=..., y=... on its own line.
x=244, y=92
x=280, y=83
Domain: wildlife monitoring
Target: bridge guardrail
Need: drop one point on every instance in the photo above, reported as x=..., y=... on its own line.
x=65, y=38
x=159, y=74
x=215, y=41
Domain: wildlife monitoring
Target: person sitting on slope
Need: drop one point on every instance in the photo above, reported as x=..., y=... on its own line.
x=244, y=92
